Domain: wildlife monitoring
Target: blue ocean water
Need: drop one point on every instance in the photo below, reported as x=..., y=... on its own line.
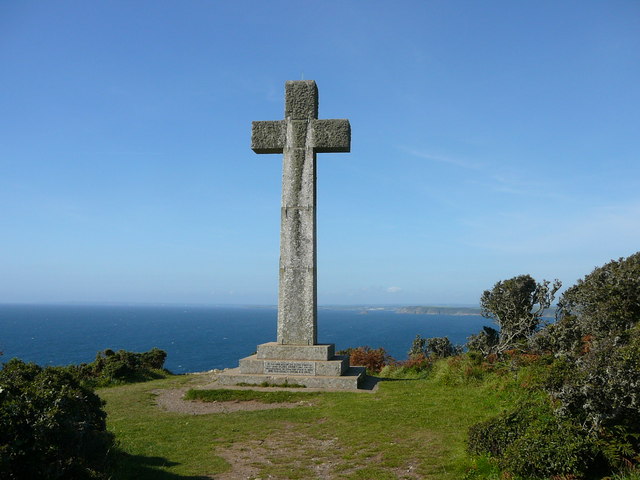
x=201, y=338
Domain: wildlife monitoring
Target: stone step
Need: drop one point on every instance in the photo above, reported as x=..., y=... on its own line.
x=349, y=381
x=336, y=366
x=273, y=350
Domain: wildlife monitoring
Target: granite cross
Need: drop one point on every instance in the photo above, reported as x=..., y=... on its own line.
x=299, y=137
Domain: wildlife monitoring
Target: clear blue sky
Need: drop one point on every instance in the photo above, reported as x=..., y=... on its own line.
x=489, y=139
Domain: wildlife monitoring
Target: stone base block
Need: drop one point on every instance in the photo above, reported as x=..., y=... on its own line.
x=295, y=352
x=334, y=367
x=314, y=366
x=349, y=381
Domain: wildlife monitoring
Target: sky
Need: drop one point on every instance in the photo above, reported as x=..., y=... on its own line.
x=489, y=139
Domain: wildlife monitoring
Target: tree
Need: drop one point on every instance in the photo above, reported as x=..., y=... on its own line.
x=418, y=347
x=607, y=300
x=597, y=336
x=516, y=306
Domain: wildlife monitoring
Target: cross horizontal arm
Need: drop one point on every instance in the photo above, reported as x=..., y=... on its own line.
x=268, y=137
x=331, y=136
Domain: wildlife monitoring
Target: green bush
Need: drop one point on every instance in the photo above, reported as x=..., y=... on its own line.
x=418, y=347
x=588, y=364
x=441, y=347
x=122, y=366
x=607, y=300
x=437, y=347
x=484, y=342
x=603, y=387
x=516, y=305
x=51, y=426
x=532, y=442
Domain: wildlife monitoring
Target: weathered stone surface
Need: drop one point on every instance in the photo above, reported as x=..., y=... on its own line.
x=289, y=367
x=331, y=136
x=296, y=352
x=299, y=137
x=297, y=321
x=298, y=178
x=337, y=365
x=296, y=357
x=348, y=381
x=301, y=100
x=268, y=137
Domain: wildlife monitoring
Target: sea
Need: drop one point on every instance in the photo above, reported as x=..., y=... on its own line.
x=202, y=338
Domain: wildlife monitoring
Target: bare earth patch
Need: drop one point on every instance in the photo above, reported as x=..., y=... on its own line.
x=172, y=401
x=294, y=454
x=289, y=453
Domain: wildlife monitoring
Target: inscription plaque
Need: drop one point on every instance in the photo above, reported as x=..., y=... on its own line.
x=289, y=368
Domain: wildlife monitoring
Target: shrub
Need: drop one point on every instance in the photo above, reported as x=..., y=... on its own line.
x=603, y=387
x=418, y=347
x=51, y=427
x=532, y=442
x=589, y=364
x=484, y=342
x=111, y=367
x=437, y=347
x=373, y=359
x=516, y=306
x=607, y=300
x=416, y=366
x=441, y=347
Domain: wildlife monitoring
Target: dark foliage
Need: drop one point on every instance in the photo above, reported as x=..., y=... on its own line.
x=516, y=305
x=531, y=441
x=590, y=359
x=122, y=366
x=607, y=300
x=435, y=347
x=418, y=347
x=441, y=347
x=484, y=342
x=51, y=426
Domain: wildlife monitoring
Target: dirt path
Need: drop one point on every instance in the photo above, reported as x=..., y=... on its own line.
x=290, y=452
x=294, y=454
x=172, y=401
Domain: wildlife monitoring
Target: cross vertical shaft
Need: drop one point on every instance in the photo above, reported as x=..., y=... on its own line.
x=299, y=137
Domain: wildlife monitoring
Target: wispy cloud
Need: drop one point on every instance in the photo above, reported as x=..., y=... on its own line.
x=442, y=159
x=393, y=289
x=513, y=184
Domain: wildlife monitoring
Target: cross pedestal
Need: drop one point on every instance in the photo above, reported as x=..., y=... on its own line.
x=297, y=357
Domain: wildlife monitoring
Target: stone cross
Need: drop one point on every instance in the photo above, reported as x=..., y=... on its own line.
x=299, y=137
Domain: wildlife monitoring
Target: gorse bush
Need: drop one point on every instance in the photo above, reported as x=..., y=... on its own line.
x=516, y=305
x=436, y=347
x=51, y=426
x=532, y=442
x=122, y=366
x=484, y=342
x=441, y=347
x=602, y=388
x=418, y=347
x=588, y=366
x=607, y=300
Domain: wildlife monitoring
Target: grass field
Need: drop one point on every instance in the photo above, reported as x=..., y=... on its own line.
x=413, y=428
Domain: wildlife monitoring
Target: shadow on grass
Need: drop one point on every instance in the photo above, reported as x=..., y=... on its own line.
x=370, y=382
x=139, y=467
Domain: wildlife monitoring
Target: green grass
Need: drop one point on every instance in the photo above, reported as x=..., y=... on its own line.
x=286, y=384
x=407, y=429
x=224, y=395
